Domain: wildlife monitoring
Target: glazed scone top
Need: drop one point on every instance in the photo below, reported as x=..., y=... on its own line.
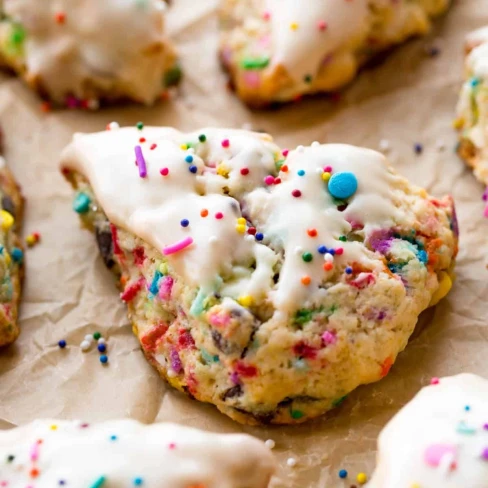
x=218, y=193
x=125, y=453
x=304, y=36
x=69, y=42
x=439, y=439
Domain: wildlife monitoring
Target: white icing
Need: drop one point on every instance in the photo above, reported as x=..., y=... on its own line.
x=302, y=47
x=436, y=417
x=81, y=455
x=109, y=44
x=153, y=207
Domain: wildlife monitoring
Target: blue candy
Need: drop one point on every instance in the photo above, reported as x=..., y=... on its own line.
x=343, y=185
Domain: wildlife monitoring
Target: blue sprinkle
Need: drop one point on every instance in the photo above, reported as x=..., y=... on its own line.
x=17, y=255
x=349, y=270
x=301, y=172
x=113, y=437
x=189, y=158
x=331, y=251
x=322, y=249
x=418, y=148
x=61, y=482
x=474, y=82
x=259, y=236
x=104, y=360
x=343, y=185
x=467, y=408
x=102, y=347
x=185, y=223
x=342, y=473
x=81, y=203
x=154, y=288
x=423, y=257
x=193, y=169
x=1, y=249
x=62, y=343
x=138, y=481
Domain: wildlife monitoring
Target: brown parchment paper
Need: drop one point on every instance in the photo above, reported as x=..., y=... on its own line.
x=68, y=292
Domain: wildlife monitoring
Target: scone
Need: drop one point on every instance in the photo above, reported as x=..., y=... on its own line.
x=278, y=50
x=11, y=254
x=77, y=53
x=269, y=283
x=124, y=453
x=439, y=439
x=472, y=108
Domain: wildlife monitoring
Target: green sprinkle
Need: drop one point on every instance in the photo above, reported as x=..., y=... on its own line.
x=99, y=483
x=279, y=164
x=296, y=414
x=209, y=358
x=255, y=63
x=197, y=306
x=202, y=137
x=303, y=316
x=10, y=458
x=97, y=335
x=343, y=238
x=337, y=402
x=462, y=428
x=82, y=203
x=18, y=34
x=307, y=79
x=140, y=125
x=307, y=257
x=173, y=76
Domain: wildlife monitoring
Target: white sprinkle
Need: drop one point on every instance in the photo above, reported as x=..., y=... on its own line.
x=319, y=171
x=328, y=257
x=191, y=150
x=171, y=374
x=270, y=443
x=85, y=345
x=249, y=238
x=315, y=143
x=212, y=239
x=113, y=126
x=89, y=338
x=300, y=149
x=93, y=104
x=291, y=462
x=102, y=341
x=384, y=145
x=298, y=250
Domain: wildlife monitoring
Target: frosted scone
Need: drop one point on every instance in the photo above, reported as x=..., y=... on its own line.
x=278, y=50
x=439, y=439
x=77, y=53
x=11, y=255
x=123, y=453
x=472, y=118
x=269, y=283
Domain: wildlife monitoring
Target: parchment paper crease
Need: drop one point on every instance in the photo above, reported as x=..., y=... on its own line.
x=68, y=292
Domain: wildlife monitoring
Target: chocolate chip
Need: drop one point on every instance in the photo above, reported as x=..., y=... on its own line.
x=221, y=344
x=262, y=418
x=104, y=241
x=8, y=205
x=233, y=392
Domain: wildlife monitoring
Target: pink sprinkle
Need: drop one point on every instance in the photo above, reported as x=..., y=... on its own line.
x=34, y=454
x=141, y=162
x=322, y=25
x=296, y=193
x=164, y=171
x=435, y=452
x=219, y=215
x=172, y=445
x=225, y=143
x=285, y=152
x=165, y=288
x=179, y=246
x=485, y=213
x=252, y=80
x=328, y=169
x=434, y=381
x=339, y=251
x=329, y=337
x=266, y=15
x=269, y=180
x=219, y=319
x=234, y=377
x=3, y=483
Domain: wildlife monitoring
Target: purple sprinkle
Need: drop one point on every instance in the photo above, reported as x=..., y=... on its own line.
x=381, y=315
x=485, y=195
x=485, y=426
x=176, y=365
x=484, y=454
x=380, y=240
x=141, y=162
x=234, y=377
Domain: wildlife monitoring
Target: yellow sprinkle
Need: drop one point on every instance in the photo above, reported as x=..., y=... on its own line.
x=458, y=123
x=7, y=220
x=415, y=485
x=7, y=258
x=241, y=229
x=361, y=478
x=30, y=240
x=241, y=220
x=222, y=170
x=245, y=300
x=163, y=268
x=445, y=284
x=184, y=147
x=54, y=427
x=294, y=26
x=326, y=176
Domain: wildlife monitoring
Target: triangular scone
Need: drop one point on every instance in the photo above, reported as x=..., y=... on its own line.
x=124, y=453
x=472, y=109
x=11, y=255
x=279, y=50
x=248, y=283
x=438, y=439
x=77, y=53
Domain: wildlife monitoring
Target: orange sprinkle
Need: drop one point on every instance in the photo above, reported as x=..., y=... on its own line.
x=142, y=139
x=284, y=168
x=328, y=266
x=312, y=232
x=60, y=17
x=204, y=212
x=306, y=280
x=45, y=107
x=386, y=366
x=34, y=472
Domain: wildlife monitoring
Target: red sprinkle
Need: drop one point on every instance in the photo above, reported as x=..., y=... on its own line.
x=185, y=339
x=131, y=291
x=285, y=152
x=244, y=171
x=296, y=193
x=115, y=242
x=151, y=339
x=328, y=169
x=312, y=232
x=153, y=146
x=322, y=25
x=60, y=17
x=225, y=143
x=277, y=181
x=251, y=231
x=339, y=251
x=142, y=139
x=164, y=171
x=246, y=370
x=139, y=255
x=219, y=215
x=303, y=350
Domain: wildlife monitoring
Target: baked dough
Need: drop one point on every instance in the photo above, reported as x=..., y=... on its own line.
x=279, y=50
x=123, y=453
x=80, y=52
x=472, y=108
x=249, y=285
x=439, y=439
